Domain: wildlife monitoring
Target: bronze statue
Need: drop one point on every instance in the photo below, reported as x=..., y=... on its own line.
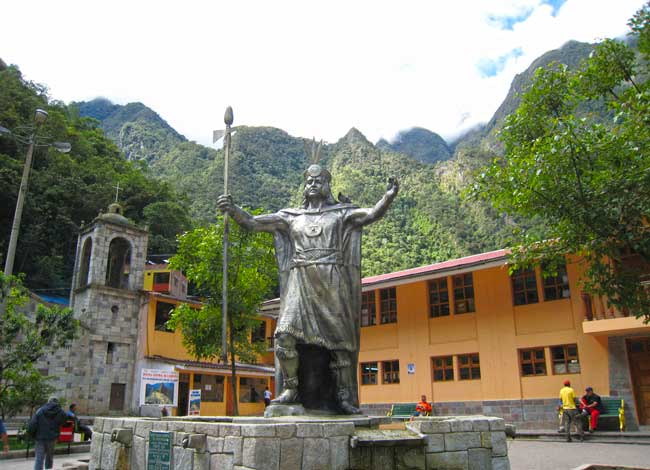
x=318, y=248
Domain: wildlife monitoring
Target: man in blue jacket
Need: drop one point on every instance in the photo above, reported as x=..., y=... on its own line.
x=44, y=426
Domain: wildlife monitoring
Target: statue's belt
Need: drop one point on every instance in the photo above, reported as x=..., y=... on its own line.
x=317, y=256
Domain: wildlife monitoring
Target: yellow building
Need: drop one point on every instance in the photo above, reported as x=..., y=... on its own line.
x=162, y=349
x=476, y=340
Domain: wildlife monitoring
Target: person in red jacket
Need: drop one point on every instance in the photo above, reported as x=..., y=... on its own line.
x=423, y=408
x=592, y=404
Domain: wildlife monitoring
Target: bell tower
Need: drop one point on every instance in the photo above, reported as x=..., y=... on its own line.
x=105, y=297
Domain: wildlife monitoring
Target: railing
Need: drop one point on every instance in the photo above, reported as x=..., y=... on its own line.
x=596, y=308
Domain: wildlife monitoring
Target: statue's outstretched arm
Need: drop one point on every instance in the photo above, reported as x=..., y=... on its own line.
x=258, y=223
x=361, y=217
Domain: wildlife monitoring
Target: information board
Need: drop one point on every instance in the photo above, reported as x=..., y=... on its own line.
x=160, y=450
x=195, y=402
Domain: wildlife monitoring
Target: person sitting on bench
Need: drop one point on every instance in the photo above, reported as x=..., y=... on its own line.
x=592, y=404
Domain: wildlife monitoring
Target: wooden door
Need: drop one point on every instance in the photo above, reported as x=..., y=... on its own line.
x=118, y=393
x=639, y=355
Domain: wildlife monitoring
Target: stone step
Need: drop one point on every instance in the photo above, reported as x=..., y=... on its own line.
x=386, y=438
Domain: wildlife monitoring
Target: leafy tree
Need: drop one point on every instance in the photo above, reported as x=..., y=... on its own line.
x=577, y=156
x=252, y=276
x=24, y=339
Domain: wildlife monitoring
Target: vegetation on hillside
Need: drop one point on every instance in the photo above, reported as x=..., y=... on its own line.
x=68, y=189
x=585, y=172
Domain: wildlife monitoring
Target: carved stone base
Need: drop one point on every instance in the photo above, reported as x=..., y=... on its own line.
x=275, y=411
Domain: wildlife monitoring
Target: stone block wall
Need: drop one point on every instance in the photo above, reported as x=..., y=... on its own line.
x=444, y=443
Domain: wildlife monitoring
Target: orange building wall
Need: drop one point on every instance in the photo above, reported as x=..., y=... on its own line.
x=496, y=330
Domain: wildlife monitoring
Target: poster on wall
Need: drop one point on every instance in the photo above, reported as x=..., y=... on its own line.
x=195, y=402
x=159, y=387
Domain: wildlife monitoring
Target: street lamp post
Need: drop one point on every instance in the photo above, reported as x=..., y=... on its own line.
x=39, y=119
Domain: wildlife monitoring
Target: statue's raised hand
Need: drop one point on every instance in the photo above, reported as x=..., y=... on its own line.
x=225, y=204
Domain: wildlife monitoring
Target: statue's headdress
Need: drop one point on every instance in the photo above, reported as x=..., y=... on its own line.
x=314, y=156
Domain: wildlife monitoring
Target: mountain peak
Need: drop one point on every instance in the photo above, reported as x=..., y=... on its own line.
x=419, y=143
x=354, y=136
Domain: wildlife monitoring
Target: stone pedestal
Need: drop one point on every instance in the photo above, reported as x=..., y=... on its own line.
x=301, y=442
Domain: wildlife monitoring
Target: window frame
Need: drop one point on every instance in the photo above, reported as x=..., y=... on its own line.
x=434, y=287
x=445, y=368
x=533, y=361
x=566, y=360
x=557, y=284
x=470, y=366
x=162, y=327
x=388, y=306
x=374, y=374
x=468, y=301
x=369, y=299
x=393, y=379
x=524, y=274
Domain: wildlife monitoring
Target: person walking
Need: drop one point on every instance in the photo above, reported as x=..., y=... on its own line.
x=4, y=437
x=570, y=413
x=44, y=426
x=592, y=404
x=267, y=397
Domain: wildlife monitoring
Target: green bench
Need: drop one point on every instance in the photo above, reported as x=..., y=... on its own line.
x=402, y=410
x=614, y=408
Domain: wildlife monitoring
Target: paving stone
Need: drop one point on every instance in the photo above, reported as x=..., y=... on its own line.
x=480, y=424
x=221, y=462
x=339, y=452
x=315, y=454
x=160, y=425
x=138, y=452
x=448, y=461
x=434, y=442
x=184, y=426
x=360, y=458
x=261, y=453
x=285, y=430
x=500, y=463
x=95, y=450
x=233, y=445
x=291, y=453
x=215, y=444
x=439, y=426
x=479, y=459
x=201, y=461
x=258, y=430
x=182, y=459
x=410, y=459
x=98, y=425
x=309, y=430
x=383, y=458
x=338, y=429
x=462, y=440
x=499, y=444
x=209, y=429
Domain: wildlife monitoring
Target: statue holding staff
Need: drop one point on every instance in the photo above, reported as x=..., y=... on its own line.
x=318, y=248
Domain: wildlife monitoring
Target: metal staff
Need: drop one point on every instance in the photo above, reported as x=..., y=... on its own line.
x=227, y=119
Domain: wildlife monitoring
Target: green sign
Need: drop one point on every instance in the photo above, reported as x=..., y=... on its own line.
x=160, y=450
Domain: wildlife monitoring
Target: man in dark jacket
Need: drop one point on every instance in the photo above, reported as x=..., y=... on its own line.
x=592, y=404
x=44, y=426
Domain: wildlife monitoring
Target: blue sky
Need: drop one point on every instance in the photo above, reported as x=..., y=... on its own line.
x=312, y=68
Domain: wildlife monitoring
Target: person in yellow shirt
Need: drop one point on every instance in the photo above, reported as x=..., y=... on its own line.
x=570, y=414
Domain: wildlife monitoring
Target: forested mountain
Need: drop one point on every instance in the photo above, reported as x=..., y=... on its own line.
x=67, y=189
x=421, y=144
x=168, y=180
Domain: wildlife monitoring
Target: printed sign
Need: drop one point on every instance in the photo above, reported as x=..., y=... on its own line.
x=195, y=402
x=159, y=387
x=410, y=368
x=160, y=450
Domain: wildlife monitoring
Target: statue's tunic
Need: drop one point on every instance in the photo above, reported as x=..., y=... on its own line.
x=319, y=256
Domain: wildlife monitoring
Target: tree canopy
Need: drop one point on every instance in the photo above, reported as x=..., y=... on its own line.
x=577, y=156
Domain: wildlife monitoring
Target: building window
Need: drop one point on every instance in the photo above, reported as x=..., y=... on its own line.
x=390, y=372
x=443, y=368
x=557, y=287
x=110, y=352
x=565, y=359
x=163, y=313
x=118, y=265
x=211, y=387
x=388, y=305
x=368, y=309
x=438, y=298
x=469, y=367
x=463, y=293
x=251, y=390
x=533, y=362
x=368, y=373
x=259, y=333
x=524, y=287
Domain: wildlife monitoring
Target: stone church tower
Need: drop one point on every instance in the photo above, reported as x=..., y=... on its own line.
x=106, y=296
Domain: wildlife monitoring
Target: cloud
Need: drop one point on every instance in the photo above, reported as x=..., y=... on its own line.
x=312, y=68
